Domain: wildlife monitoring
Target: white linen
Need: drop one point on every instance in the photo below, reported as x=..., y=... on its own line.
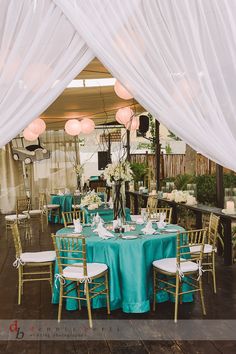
x=77, y=225
x=148, y=229
x=169, y=265
x=176, y=57
x=76, y=272
x=38, y=257
x=102, y=232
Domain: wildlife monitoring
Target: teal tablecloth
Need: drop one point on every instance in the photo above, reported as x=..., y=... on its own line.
x=130, y=269
x=106, y=214
x=65, y=202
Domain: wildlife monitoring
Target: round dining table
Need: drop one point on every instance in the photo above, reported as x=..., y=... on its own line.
x=130, y=267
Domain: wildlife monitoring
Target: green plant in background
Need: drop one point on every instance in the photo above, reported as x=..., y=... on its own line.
x=168, y=149
x=173, y=136
x=139, y=171
x=181, y=181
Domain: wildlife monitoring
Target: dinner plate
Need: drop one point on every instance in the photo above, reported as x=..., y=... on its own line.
x=226, y=211
x=70, y=227
x=130, y=237
x=171, y=230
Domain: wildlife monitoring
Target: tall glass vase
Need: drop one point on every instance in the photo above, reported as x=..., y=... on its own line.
x=118, y=192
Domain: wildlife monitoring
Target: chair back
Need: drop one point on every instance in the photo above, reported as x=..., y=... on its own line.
x=16, y=239
x=152, y=203
x=213, y=229
x=70, y=249
x=155, y=214
x=185, y=240
x=69, y=216
x=101, y=189
x=42, y=201
x=22, y=204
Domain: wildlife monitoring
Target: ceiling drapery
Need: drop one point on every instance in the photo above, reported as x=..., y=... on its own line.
x=40, y=53
x=177, y=57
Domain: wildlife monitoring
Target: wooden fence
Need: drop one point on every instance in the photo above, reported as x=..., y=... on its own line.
x=172, y=165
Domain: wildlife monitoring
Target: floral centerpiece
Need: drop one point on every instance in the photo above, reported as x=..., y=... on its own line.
x=116, y=174
x=91, y=200
x=180, y=197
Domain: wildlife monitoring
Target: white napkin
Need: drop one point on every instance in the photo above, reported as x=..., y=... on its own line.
x=97, y=218
x=161, y=223
x=102, y=232
x=60, y=192
x=148, y=229
x=110, y=203
x=67, y=191
x=77, y=225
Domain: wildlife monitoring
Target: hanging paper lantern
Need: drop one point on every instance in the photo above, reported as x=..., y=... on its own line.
x=121, y=91
x=133, y=124
x=87, y=126
x=124, y=115
x=73, y=127
x=38, y=126
x=29, y=135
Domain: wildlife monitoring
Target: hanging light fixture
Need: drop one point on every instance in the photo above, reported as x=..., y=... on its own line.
x=121, y=91
x=124, y=115
x=73, y=127
x=29, y=135
x=38, y=126
x=133, y=124
x=87, y=126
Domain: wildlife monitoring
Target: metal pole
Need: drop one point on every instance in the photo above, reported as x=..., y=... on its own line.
x=219, y=186
x=128, y=144
x=157, y=153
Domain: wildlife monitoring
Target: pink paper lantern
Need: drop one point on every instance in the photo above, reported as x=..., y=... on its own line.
x=121, y=91
x=73, y=127
x=29, y=135
x=124, y=115
x=38, y=126
x=133, y=124
x=87, y=126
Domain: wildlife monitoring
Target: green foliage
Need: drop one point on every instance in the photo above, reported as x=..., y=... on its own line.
x=173, y=136
x=168, y=149
x=139, y=171
x=181, y=181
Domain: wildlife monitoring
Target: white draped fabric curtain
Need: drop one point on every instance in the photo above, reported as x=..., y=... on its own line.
x=177, y=57
x=40, y=53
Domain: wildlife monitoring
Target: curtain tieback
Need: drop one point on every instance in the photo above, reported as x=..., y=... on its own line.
x=18, y=262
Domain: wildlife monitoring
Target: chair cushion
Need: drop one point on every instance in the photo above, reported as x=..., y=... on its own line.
x=75, y=206
x=32, y=212
x=93, y=269
x=52, y=206
x=14, y=217
x=169, y=265
x=196, y=249
x=38, y=257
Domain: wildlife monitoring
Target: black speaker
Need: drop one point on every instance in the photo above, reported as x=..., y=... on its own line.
x=104, y=159
x=143, y=124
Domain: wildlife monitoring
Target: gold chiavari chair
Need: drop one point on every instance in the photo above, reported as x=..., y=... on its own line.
x=69, y=216
x=152, y=202
x=26, y=262
x=35, y=215
x=76, y=202
x=182, y=269
x=209, y=251
x=156, y=212
x=48, y=209
x=20, y=218
x=101, y=189
x=89, y=279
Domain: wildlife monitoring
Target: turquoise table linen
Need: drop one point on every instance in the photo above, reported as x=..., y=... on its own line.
x=106, y=214
x=65, y=202
x=130, y=268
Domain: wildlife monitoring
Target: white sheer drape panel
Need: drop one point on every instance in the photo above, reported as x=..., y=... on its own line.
x=40, y=53
x=56, y=173
x=177, y=57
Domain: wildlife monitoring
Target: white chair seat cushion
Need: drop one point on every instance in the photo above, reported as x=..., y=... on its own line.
x=32, y=212
x=169, y=265
x=196, y=249
x=52, y=206
x=14, y=217
x=38, y=257
x=93, y=269
x=75, y=206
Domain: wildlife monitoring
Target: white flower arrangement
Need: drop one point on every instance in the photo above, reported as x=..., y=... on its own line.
x=91, y=199
x=181, y=197
x=120, y=171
